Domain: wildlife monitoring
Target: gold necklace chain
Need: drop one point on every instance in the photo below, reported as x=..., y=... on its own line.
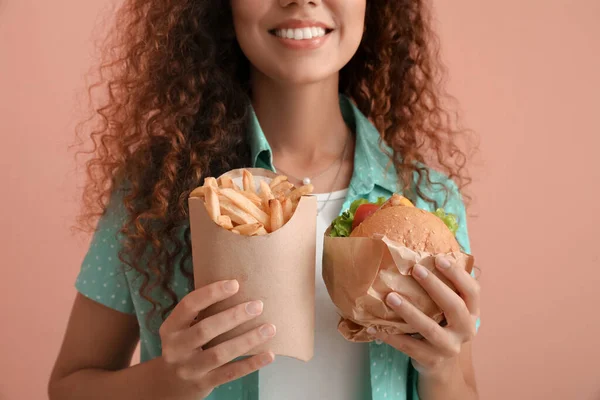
x=307, y=180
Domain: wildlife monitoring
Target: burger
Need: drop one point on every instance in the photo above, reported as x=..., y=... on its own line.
x=399, y=220
x=369, y=251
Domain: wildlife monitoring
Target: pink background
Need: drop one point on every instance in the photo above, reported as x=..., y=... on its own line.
x=526, y=74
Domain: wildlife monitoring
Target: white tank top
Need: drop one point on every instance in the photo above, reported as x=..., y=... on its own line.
x=338, y=370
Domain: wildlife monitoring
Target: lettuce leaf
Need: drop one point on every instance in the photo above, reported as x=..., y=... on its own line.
x=342, y=225
x=449, y=220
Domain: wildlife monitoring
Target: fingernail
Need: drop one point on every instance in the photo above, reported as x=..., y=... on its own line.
x=371, y=330
x=265, y=359
x=394, y=300
x=231, y=286
x=420, y=271
x=254, y=307
x=443, y=263
x=267, y=330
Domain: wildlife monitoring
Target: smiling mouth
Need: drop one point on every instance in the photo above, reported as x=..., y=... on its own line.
x=307, y=33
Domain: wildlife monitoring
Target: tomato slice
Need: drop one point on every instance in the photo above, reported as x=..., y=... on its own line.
x=362, y=212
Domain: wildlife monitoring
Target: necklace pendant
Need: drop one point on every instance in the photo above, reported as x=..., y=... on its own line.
x=306, y=181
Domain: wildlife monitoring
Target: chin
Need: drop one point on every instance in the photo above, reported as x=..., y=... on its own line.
x=299, y=73
x=304, y=78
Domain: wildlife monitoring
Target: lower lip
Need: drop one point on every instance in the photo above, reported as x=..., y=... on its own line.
x=305, y=44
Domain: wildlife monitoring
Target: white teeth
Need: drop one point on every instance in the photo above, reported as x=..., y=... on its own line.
x=301, y=33
x=307, y=33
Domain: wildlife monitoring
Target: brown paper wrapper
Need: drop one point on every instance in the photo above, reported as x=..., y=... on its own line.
x=360, y=272
x=278, y=268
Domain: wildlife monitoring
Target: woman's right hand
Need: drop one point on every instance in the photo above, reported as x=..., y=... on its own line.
x=199, y=371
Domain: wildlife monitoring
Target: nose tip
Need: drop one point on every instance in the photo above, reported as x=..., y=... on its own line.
x=286, y=3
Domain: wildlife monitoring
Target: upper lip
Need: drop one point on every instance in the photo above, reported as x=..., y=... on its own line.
x=298, y=23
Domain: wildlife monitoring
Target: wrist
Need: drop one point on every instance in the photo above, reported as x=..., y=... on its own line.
x=168, y=383
x=443, y=373
x=445, y=382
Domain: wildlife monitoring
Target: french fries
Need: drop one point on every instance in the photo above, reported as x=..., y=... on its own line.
x=199, y=192
x=253, y=197
x=250, y=229
x=225, y=221
x=284, y=187
x=212, y=203
x=246, y=205
x=227, y=182
x=235, y=214
x=248, y=181
x=276, y=214
x=277, y=180
x=286, y=205
x=265, y=193
x=301, y=191
x=250, y=210
x=211, y=182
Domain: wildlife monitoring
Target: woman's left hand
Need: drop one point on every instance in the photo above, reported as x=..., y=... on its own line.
x=441, y=345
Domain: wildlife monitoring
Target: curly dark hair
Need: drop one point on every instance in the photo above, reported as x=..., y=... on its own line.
x=176, y=101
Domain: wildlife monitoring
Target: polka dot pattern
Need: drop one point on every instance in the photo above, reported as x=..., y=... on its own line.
x=102, y=279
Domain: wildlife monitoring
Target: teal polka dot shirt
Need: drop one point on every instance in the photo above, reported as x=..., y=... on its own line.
x=103, y=279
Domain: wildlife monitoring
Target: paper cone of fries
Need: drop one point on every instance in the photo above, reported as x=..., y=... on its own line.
x=254, y=226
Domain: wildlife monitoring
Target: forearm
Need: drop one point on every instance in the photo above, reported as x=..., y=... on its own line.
x=148, y=381
x=448, y=384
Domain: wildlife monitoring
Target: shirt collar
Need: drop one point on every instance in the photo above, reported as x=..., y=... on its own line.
x=372, y=163
x=260, y=150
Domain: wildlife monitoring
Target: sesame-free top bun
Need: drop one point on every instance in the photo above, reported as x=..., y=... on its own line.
x=417, y=229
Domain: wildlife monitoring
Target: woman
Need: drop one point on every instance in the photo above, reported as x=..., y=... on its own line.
x=305, y=88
